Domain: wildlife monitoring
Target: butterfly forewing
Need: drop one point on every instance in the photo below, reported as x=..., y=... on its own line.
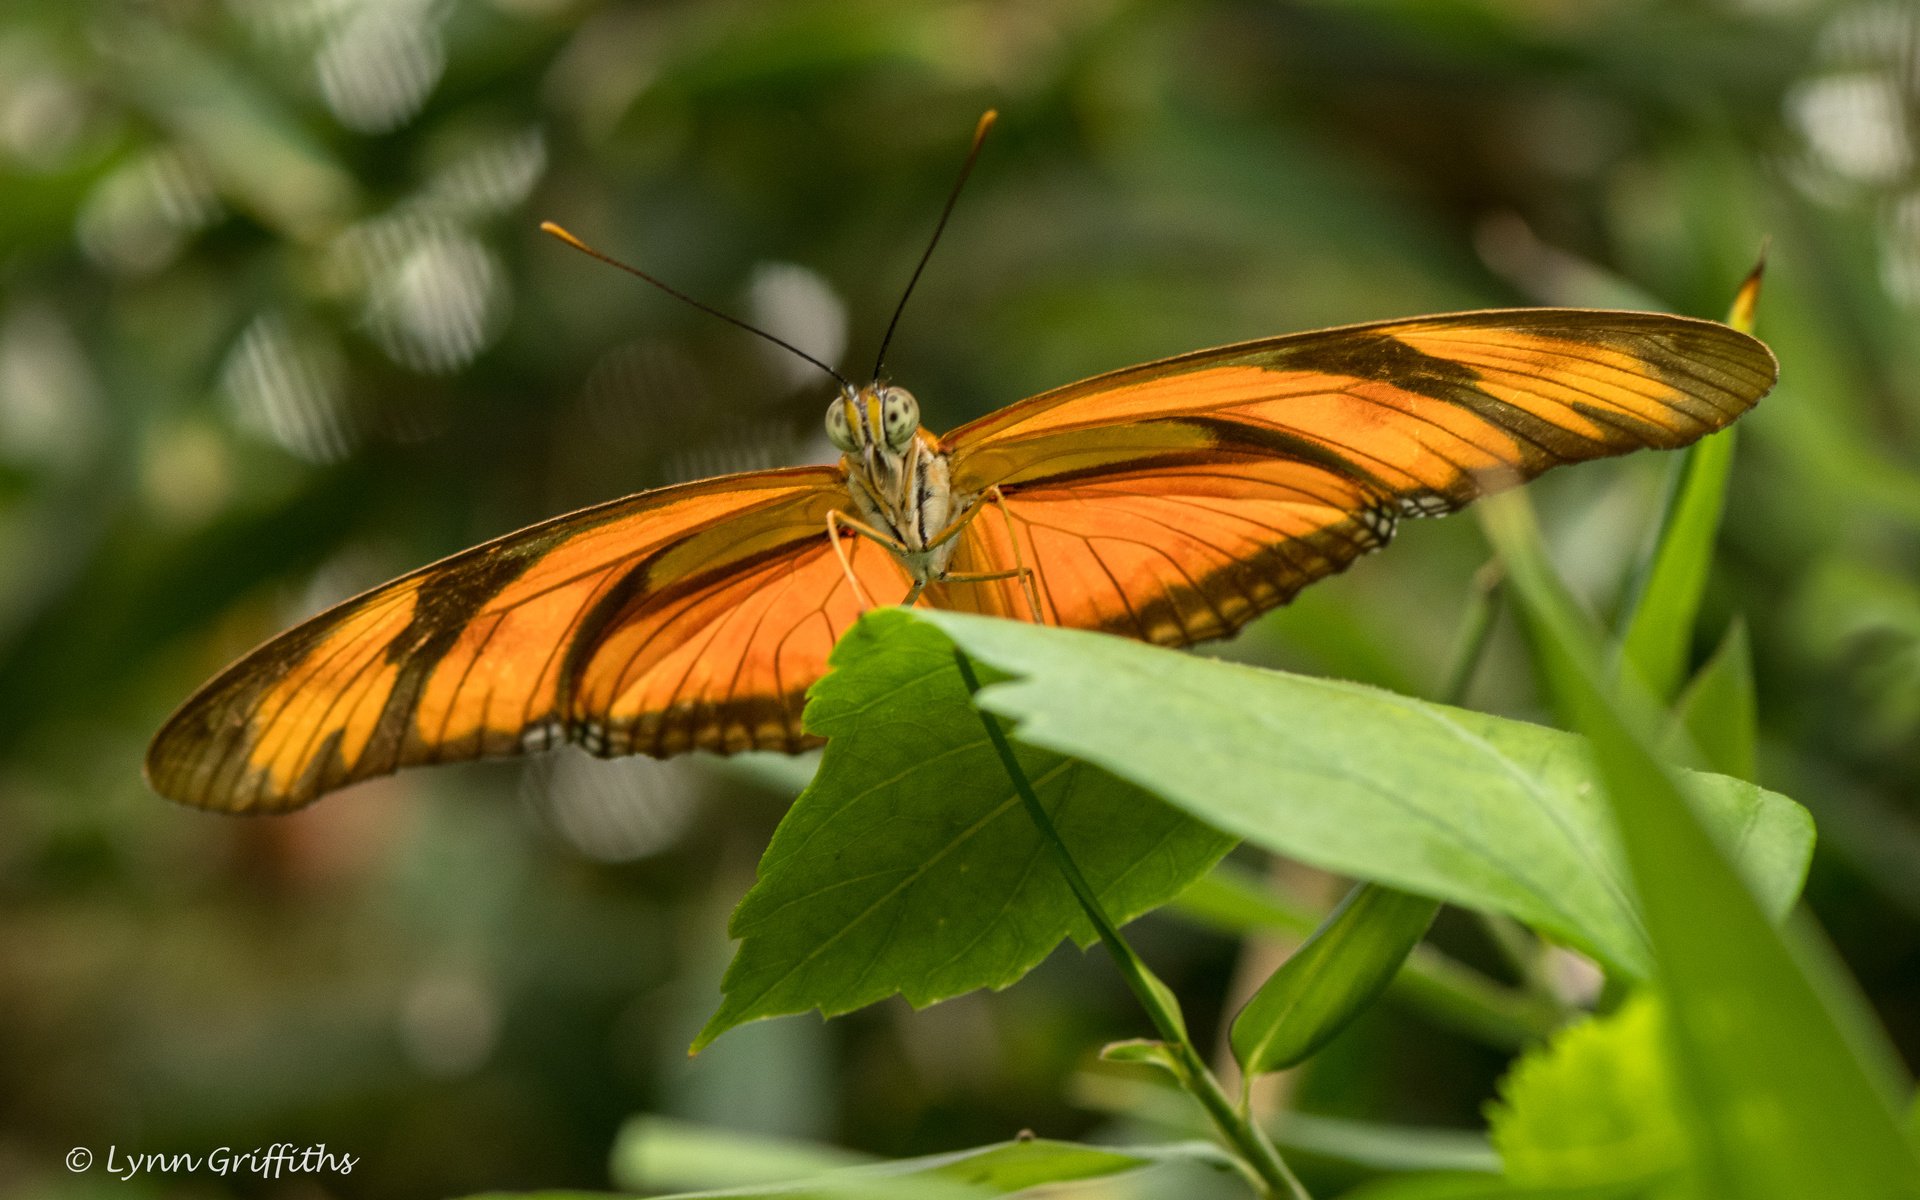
x=1417, y=407
x=475, y=655
x=1174, y=501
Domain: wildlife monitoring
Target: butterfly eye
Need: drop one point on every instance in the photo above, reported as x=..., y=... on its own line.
x=837, y=430
x=899, y=417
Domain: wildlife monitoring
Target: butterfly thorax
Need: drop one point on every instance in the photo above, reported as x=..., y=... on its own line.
x=897, y=476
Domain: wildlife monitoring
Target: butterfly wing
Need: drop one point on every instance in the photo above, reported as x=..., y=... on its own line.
x=482, y=654
x=1176, y=500
x=1173, y=551
x=721, y=658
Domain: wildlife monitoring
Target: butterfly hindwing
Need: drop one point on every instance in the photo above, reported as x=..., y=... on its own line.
x=721, y=659
x=1177, y=548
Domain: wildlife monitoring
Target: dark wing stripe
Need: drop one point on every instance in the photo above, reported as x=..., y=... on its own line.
x=1707, y=390
x=437, y=744
x=1616, y=379
x=1673, y=361
x=337, y=688
x=1349, y=452
x=319, y=671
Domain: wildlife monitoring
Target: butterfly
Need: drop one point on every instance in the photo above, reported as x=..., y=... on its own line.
x=1171, y=502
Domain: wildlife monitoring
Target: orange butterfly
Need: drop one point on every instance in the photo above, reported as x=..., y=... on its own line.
x=1171, y=502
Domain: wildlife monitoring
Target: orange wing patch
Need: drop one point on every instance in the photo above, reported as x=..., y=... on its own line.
x=722, y=659
x=471, y=656
x=1173, y=552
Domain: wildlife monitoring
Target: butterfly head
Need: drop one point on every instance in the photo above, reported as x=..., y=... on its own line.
x=877, y=421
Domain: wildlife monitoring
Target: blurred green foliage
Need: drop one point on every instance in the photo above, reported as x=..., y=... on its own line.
x=275, y=324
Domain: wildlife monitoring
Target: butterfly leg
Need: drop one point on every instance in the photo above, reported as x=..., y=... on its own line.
x=1020, y=569
x=1023, y=574
x=1026, y=577
x=837, y=521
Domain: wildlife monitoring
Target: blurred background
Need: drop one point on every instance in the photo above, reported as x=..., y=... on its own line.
x=276, y=324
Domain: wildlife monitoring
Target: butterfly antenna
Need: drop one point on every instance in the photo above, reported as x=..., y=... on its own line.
x=550, y=228
x=973, y=152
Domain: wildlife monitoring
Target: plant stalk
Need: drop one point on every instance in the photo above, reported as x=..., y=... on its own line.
x=1521, y=950
x=1476, y=632
x=1248, y=1140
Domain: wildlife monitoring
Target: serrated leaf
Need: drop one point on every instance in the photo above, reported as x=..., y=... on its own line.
x=1717, y=714
x=910, y=866
x=1468, y=808
x=1330, y=979
x=1595, y=1106
x=1788, y=1087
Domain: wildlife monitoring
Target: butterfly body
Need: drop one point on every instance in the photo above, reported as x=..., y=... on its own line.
x=899, y=482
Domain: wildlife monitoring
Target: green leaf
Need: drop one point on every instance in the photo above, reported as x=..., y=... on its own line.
x=1594, y=1106
x=910, y=866
x=1789, y=1089
x=1472, y=809
x=1373, y=1146
x=1147, y=1051
x=1002, y=1169
x=1660, y=629
x=1330, y=979
x=1233, y=899
x=1446, y=992
x=998, y=1170
x=1382, y=1147
x=653, y=1153
x=1717, y=715
x=549, y=1195
x=1479, y=1187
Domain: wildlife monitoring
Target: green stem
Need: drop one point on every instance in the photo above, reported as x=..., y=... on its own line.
x=1518, y=947
x=1252, y=1144
x=1476, y=632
